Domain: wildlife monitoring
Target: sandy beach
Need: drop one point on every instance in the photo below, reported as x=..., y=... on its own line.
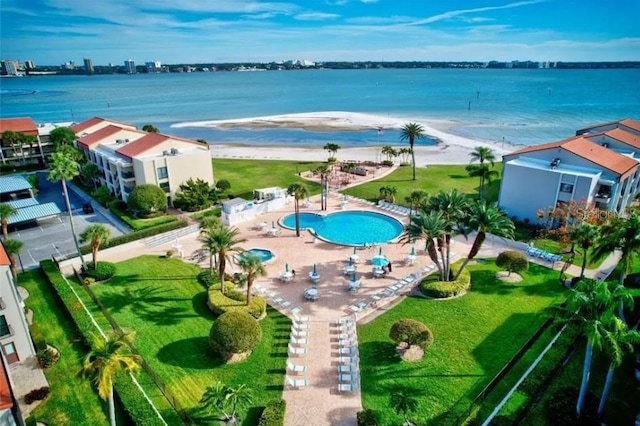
x=451, y=148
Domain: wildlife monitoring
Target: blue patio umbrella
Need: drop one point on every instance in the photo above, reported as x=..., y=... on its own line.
x=379, y=261
x=286, y=267
x=413, y=251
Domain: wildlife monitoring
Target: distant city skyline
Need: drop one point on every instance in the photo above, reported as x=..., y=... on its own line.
x=53, y=32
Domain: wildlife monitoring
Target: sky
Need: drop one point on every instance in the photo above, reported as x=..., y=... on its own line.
x=52, y=32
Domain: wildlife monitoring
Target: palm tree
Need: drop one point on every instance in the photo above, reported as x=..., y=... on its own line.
x=62, y=136
x=618, y=341
x=389, y=151
x=96, y=234
x=584, y=235
x=403, y=403
x=299, y=191
x=484, y=172
x=224, y=241
x=210, y=244
x=13, y=247
x=482, y=154
x=486, y=218
x=253, y=268
x=16, y=141
x=430, y=226
x=411, y=132
x=332, y=148
x=105, y=359
x=227, y=400
x=323, y=170
x=588, y=306
x=415, y=198
x=63, y=168
x=6, y=211
x=405, y=152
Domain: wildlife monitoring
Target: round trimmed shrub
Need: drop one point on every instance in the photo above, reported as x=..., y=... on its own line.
x=102, y=272
x=235, y=332
x=367, y=417
x=512, y=261
x=147, y=199
x=412, y=332
x=431, y=286
x=560, y=409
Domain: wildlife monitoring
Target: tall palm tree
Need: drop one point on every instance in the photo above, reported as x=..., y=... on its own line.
x=404, y=152
x=485, y=218
x=453, y=207
x=415, y=198
x=332, y=148
x=484, y=172
x=13, y=247
x=63, y=168
x=104, y=360
x=584, y=234
x=618, y=341
x=620, y=234
x=482, y=154
x=224, y=242
x=430, y=226
x=588, y=306
x=210, y=244
x=253, y=268
x=97, y=235
x=403, y=402
x=298, y=191
x=411, y=132
x=323, y=170
x=62, y=136
x=389, y=151
x=6, y=211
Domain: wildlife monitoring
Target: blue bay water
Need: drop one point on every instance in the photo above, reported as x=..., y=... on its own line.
x=515, y=106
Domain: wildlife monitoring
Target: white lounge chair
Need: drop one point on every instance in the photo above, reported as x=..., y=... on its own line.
x=296, y=351
x=300, y=325
x=296, y=368
x=285, y=304
x=344, y=320
x=295, y=383
x=346, y=387
x=299, y=333
x=298, y=342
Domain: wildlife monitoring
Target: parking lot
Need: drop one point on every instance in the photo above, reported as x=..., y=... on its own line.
x=53, y=236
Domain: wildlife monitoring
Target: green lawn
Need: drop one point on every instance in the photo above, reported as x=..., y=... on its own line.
x=555, y=247
x=280, y=173
x=431, y=179
x=73, y=400
x=474, y=336
x=162, y=302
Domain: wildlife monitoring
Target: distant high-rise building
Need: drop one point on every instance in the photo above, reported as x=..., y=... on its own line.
x=155, y=66
x=129, y=66
x=88, y=65
x=29, y=64
x=10, y=68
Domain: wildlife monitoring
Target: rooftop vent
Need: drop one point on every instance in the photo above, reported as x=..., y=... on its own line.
x=119, y=141
x=555, y=163
x=126, y=140
x=165, y=153
x=606, y=145
x=174, y=151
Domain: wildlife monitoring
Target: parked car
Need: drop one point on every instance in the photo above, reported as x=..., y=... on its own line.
x=87, y=208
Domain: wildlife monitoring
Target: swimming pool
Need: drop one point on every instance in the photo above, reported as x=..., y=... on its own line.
x=265, y=255
x=353, y=227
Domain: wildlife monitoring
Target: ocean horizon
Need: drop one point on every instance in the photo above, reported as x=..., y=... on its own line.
x=518, y=107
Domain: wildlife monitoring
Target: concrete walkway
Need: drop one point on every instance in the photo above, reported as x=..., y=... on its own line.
x=319, y=403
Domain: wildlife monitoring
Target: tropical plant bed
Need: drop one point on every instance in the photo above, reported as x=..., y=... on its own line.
x=163, y=302
x=473, y=338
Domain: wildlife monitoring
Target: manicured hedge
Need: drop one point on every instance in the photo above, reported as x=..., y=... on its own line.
x=235, y=332
x=141, y=224
x=412, y=332
x=134, y=236
x=273, y=414
x=219, y=303
x=132, y=399
x=102, y=272
x=432, y=287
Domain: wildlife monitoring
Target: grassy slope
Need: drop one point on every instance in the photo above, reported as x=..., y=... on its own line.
x=72, y=400
x=162, y=301
x=430, y=179
x=475, y=335
x=247, y=175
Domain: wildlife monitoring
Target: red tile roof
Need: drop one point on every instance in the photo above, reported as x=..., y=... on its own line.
x=628, y=122
x=632, y=124
x=141, y=145
x=97, y=136
x=624, y=137
x=80, y=127
x=6, y=401
x=593, y=152
x=20, y=124
x=4, y=257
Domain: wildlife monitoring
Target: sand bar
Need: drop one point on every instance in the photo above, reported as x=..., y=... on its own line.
x=451, y=148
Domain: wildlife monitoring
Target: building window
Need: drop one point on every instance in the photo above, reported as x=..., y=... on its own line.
x=4, y=327
x=164, y=186
x=566, y=187
x=162, y=173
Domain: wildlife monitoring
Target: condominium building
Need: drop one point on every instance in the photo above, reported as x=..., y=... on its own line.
x=128, y=157
x=88, y=65
x=600, y=166
x=129, y=66
x=37, y=147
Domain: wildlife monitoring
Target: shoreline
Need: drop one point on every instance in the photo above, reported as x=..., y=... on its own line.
x=450, y=148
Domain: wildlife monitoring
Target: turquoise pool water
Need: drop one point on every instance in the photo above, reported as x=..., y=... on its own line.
x=349, y=227
x=263, y=254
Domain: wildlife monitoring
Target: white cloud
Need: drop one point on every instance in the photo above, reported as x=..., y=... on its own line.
x=454, y=13
x=315, y=16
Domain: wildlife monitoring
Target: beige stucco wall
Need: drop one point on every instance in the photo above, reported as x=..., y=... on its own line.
x=14, y=315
